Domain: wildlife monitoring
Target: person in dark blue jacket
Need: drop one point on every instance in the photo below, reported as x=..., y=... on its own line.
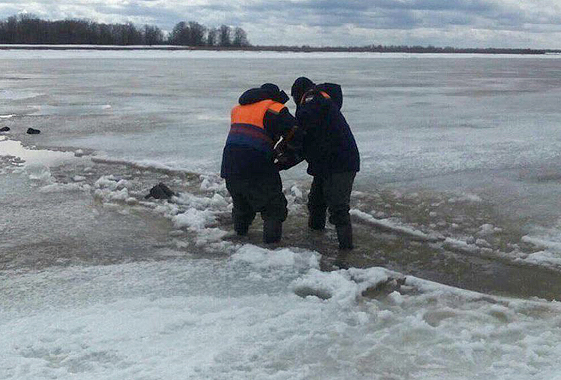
x=248, y=162
x=332, y=155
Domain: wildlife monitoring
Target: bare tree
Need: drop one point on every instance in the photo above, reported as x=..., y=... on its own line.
x=224, y=38
x=211, y=37
x=180, y=34
x=152, y=35
x=240, y=38
x=196, y=34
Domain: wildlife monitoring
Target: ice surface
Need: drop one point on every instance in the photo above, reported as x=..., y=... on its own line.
x=227, y=320
x=76, y=53
x=258, y=313
x=93, y=288
x=481, y=125
x=7, y=95
x=548, y=243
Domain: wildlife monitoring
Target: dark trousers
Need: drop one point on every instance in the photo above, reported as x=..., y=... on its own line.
x=332, y=192
x=251, y=196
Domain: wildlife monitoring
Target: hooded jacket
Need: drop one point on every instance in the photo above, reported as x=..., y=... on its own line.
x=258, y=122
x=329, y=145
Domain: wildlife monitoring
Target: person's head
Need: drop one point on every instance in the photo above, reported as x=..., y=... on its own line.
x=275, y=92
x=299, y=88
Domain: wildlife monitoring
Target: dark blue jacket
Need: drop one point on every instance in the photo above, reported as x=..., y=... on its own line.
x=329, y=145
x=245, y=159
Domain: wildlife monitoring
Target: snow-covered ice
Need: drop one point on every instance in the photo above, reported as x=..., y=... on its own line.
x=248, y=317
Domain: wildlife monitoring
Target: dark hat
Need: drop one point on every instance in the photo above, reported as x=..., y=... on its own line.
x=300, y=87
x=273, y=88
x=276, y=93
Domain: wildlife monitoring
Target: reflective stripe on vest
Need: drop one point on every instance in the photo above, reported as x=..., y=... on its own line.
x=323, y=93
x=247, y=126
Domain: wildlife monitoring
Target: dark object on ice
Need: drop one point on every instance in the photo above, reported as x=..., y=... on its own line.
x=31, y=131
x=160, y=191
x=4, y=129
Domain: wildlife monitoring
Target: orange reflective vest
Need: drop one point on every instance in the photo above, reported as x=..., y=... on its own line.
x=247, y=128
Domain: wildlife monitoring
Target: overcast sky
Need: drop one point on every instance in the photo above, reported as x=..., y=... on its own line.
x=459, y=23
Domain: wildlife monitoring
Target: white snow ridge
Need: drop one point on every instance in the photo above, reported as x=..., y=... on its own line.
x=263, y=314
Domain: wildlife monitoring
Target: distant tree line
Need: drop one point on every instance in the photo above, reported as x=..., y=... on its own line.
x=402, y=49
x=195, y=34
x=29, y=29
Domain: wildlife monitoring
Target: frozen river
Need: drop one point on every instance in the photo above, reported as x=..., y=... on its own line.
x=458, y=192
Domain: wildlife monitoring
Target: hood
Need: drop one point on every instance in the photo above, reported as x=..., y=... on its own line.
x=266, y=92
x=334, y=91
x=300, y=87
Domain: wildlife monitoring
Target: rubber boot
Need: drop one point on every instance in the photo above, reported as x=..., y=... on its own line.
x=272, y=231
x=345, y=236
x=241, y=228
x=316, y=220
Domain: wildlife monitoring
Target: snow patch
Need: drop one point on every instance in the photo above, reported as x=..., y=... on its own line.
x=462, y=246
x=544, y=257
x=263, y=258
x=194, y=219
x=38, y=172
x=550, y=246
x=487, y=230
x=64, y=187
x=543, y=243
x=391, y=226
x=111, y=189
x=213, y=183
x=342, y=287
x=296, y=192
x=217, y=319
x=466, y=198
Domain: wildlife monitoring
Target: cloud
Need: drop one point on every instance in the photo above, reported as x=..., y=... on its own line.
x=535, y=23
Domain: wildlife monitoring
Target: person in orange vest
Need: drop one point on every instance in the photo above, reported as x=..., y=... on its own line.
x=330, y=149
x=252, y=177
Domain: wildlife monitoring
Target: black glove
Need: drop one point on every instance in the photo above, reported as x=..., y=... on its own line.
x=288, y=159
x=283, y=162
